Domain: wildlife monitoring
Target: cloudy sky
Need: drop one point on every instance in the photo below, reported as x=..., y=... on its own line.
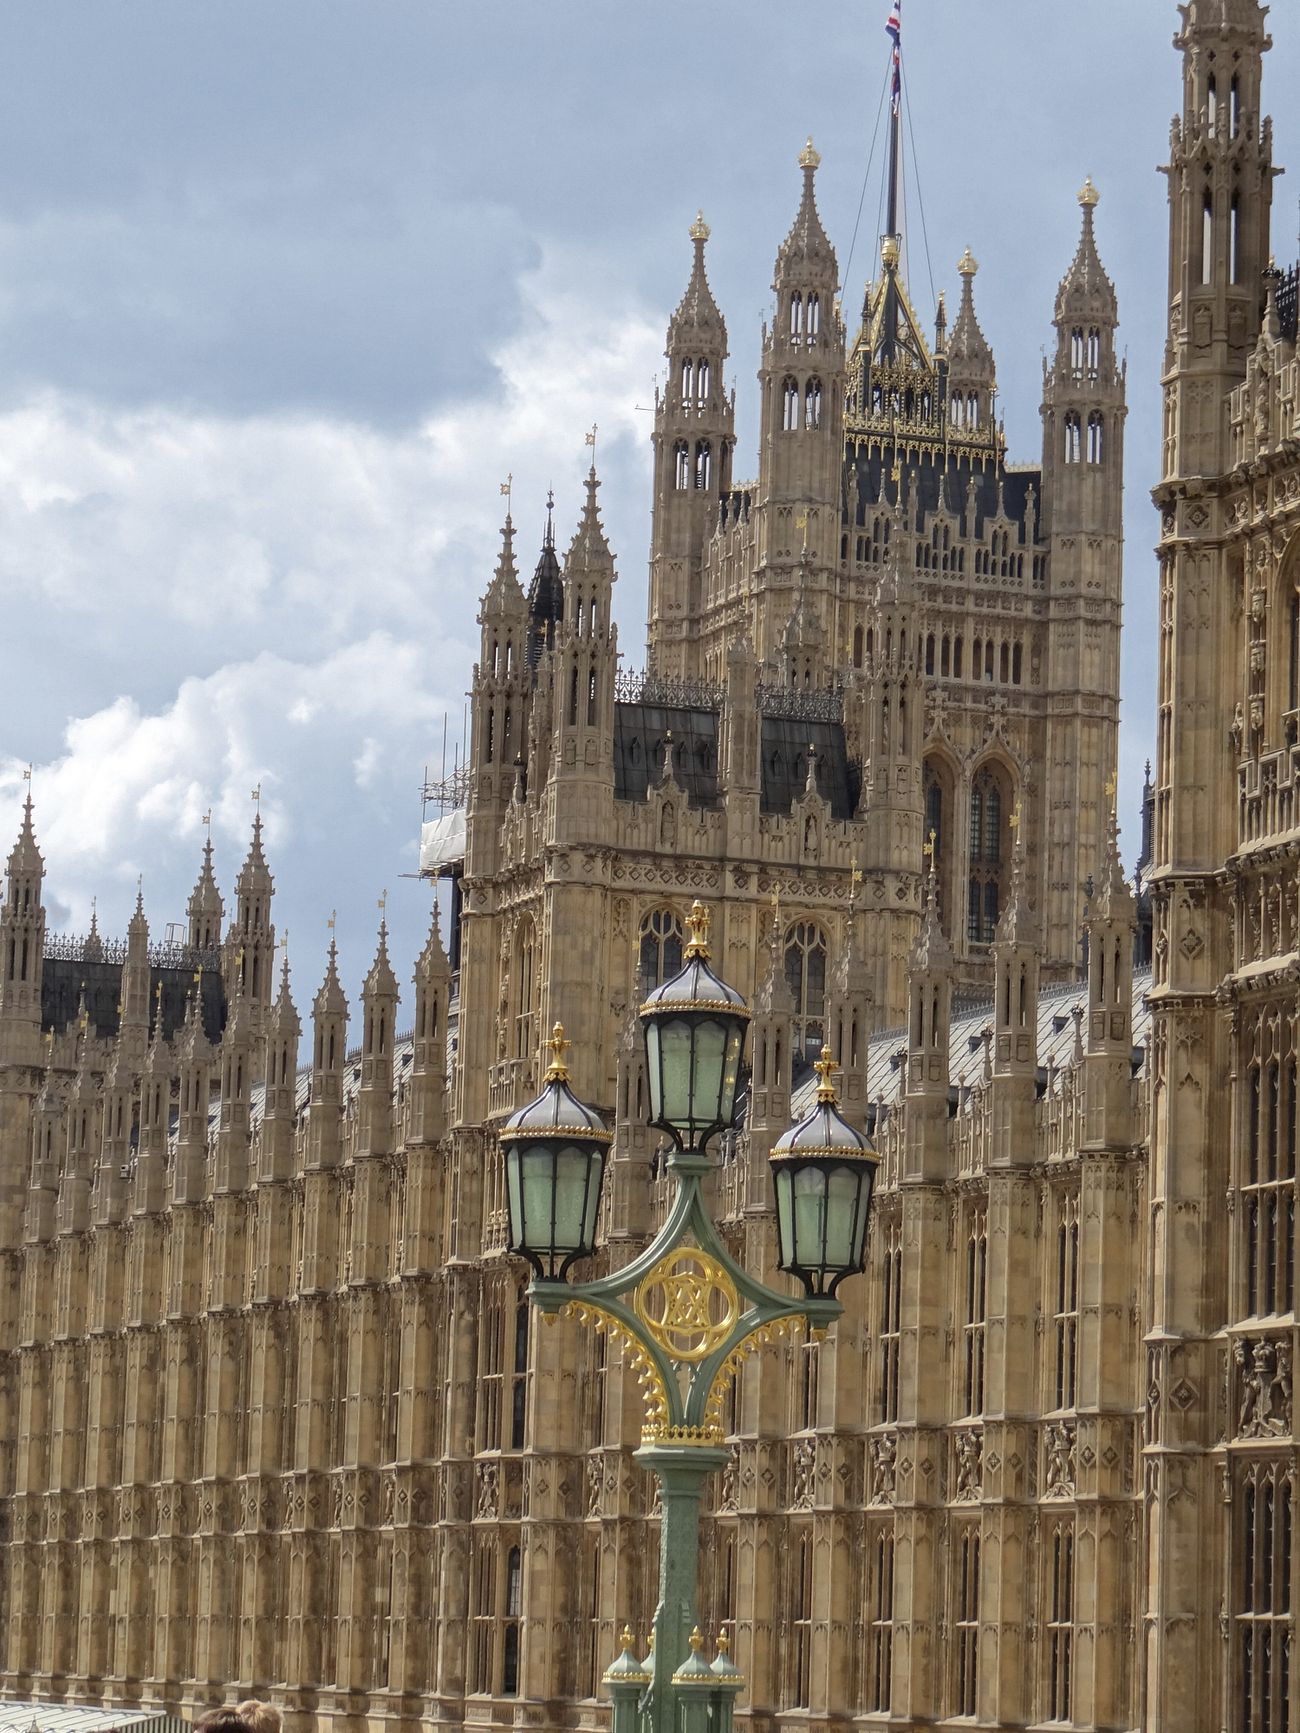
x=286, y=291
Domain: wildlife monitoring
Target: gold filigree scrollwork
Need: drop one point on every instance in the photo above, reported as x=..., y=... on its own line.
x=688, y=1303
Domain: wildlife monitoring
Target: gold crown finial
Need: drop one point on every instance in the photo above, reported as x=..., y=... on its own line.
x=698, y=923
x=699, y=228
x=968, y=264
x=1089, y=197
x=557, y=1071
x=889, y=252
x=697, y=1640
x=825, y=1067
x=809, y=157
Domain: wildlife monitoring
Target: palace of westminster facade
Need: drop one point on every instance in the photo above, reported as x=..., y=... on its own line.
x=275, y=1415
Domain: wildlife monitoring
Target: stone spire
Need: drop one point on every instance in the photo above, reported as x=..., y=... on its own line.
x=22, y=947
x=249, y=963
x=205, y=909
x=806, y=252
x=697, y=321
x=379, y=998
x=330, y=1023
x=279, y=1113
x=1087, y=295
x=970, y=359
x=504, y=596
x=589, y=551
x=427, y=1095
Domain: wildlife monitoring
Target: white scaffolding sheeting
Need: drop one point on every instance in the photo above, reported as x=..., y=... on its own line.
x=442, y=844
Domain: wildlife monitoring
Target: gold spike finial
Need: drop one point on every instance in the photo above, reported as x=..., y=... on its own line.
x=1089, y=197
x=626, y=1637
x=699, y=228
x=557, y=1071
x=724, y=1640
x=809, y=156
x=697, y=1640
x=698, y=923
x=1014, y=820
x=1112, y=789
x=825, y=1067
x=927, y=847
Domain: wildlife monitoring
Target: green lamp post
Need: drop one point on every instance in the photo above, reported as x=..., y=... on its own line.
x=686, y=1312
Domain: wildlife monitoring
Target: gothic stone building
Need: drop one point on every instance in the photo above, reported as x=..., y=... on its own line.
x=276, y=1418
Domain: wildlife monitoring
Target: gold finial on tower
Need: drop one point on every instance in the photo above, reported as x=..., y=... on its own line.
x=809, y=157
x=1014, y=820
x=1089, y=197
x=700, y=230
x=890, y=252
x=256, y=797
x=557, y=1071
x=1112, y=789
x=927, y=847
x=507, y=487
x=698, y=924
x=968, y=264
x=825, y=1067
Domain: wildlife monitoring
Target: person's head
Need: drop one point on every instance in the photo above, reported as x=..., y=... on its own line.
x=224, y=1719
x=260, y=1717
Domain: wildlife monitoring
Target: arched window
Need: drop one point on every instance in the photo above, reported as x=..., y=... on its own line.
x=514, y=1612
x=1015, y=664
x=703, y=464
x=805, y=973
x=1234, y=241
x=1004, y=668
x=1212, y=105
x=681, y=466
x=1096, y=432
x=701, y=381
x=796, y=315
x=1234, y=106
x=1094, y=352
x=688, y=381
x=973, y=410
x=1076, y=349
x=857, y=649
x=660, y=954
x=813, y=404
x=956, y=656
x=1073, y=437
x=988, y=823
x=524, y=978
x=1207, y=238
x=790, y=410
x=945, y=655
x=929, y=653
x=955, y=409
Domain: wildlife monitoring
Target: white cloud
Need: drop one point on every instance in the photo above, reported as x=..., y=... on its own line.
x=298, y=595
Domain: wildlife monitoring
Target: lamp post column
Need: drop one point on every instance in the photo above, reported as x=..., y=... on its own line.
x=681, y=1471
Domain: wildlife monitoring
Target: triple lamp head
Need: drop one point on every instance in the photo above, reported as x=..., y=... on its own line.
x=556, y=1147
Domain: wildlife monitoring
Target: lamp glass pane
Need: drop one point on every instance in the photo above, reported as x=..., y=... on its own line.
x=595, y=1177
x=843, y=1242
x=572, y=1178
x=514, y=1197
x=731, y=1072
x=784, y=1235
x=537, y=1178
x=676, y=1049
x=809, y=1217
x=654, y=1074
x=710, y=1067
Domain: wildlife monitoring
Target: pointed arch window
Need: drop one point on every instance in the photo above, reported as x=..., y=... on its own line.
x=801, y=1646
x=805, y=973
x=1212, y=105
x=977, y=1261
x=1073, y=437
x=814, y=317
x=688, y=380
x=510, y=1632
x=1060, y=1624
x=880, y=1660
x=1268, y=1183
x=1096, y=436
x=701, y=381
x=1207, y=238
x=973, y=411
x=660, y=953
x=796, y=315
x=966, y=1619
x=813, y=404
x=1076, y=350
x=1094, y=352
x=524, y=985
x=1264, y=1621
x=703, y=464
x=681, y=466
x=988, y=810
x=1065, y=1314
x=790, y=405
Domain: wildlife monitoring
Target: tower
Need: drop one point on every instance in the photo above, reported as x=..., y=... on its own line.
x=693, y=442
x=248, y=965
x=801, y=437
x=1083, y=413
x=498, y=700
x=205, y=909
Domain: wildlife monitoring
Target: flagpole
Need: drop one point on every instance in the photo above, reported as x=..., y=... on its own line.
x=893, y=251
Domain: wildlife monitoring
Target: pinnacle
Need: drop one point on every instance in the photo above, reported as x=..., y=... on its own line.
x=967, y=343
x=807, y=243
x=589, y=546
x=774, y=998
x=1016, y=926
x=25, y=856
x=330, y=1000
x=433, y=955
x=931, y=953
x=697, y=311
x=1086, y=291
x=254, y=874
x=505, y=593
x=381, y=979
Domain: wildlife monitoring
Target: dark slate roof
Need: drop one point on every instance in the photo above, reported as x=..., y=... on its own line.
x=64, y=978
x=953, y=477
x=1288, y=302
x=785, y=765
x=640, y=731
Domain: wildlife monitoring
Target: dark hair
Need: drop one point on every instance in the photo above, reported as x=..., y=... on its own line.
x=224, y=1719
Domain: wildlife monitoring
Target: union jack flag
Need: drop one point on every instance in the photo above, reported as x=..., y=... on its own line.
x=894, y=30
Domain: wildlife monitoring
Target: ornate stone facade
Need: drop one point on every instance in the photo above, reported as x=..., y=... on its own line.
x=276, y=1417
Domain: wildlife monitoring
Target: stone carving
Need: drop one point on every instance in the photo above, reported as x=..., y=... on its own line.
x=804, y=1464
x=1059, y=1452
x=1264, y=1387
x=969, y=1473
x=488, y=1490
x=884, y=1451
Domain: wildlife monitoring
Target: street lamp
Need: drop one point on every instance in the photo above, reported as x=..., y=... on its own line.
x=687, y=1313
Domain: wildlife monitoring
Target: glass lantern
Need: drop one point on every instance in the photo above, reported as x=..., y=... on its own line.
x=823, y=1172
x=694, y=1038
